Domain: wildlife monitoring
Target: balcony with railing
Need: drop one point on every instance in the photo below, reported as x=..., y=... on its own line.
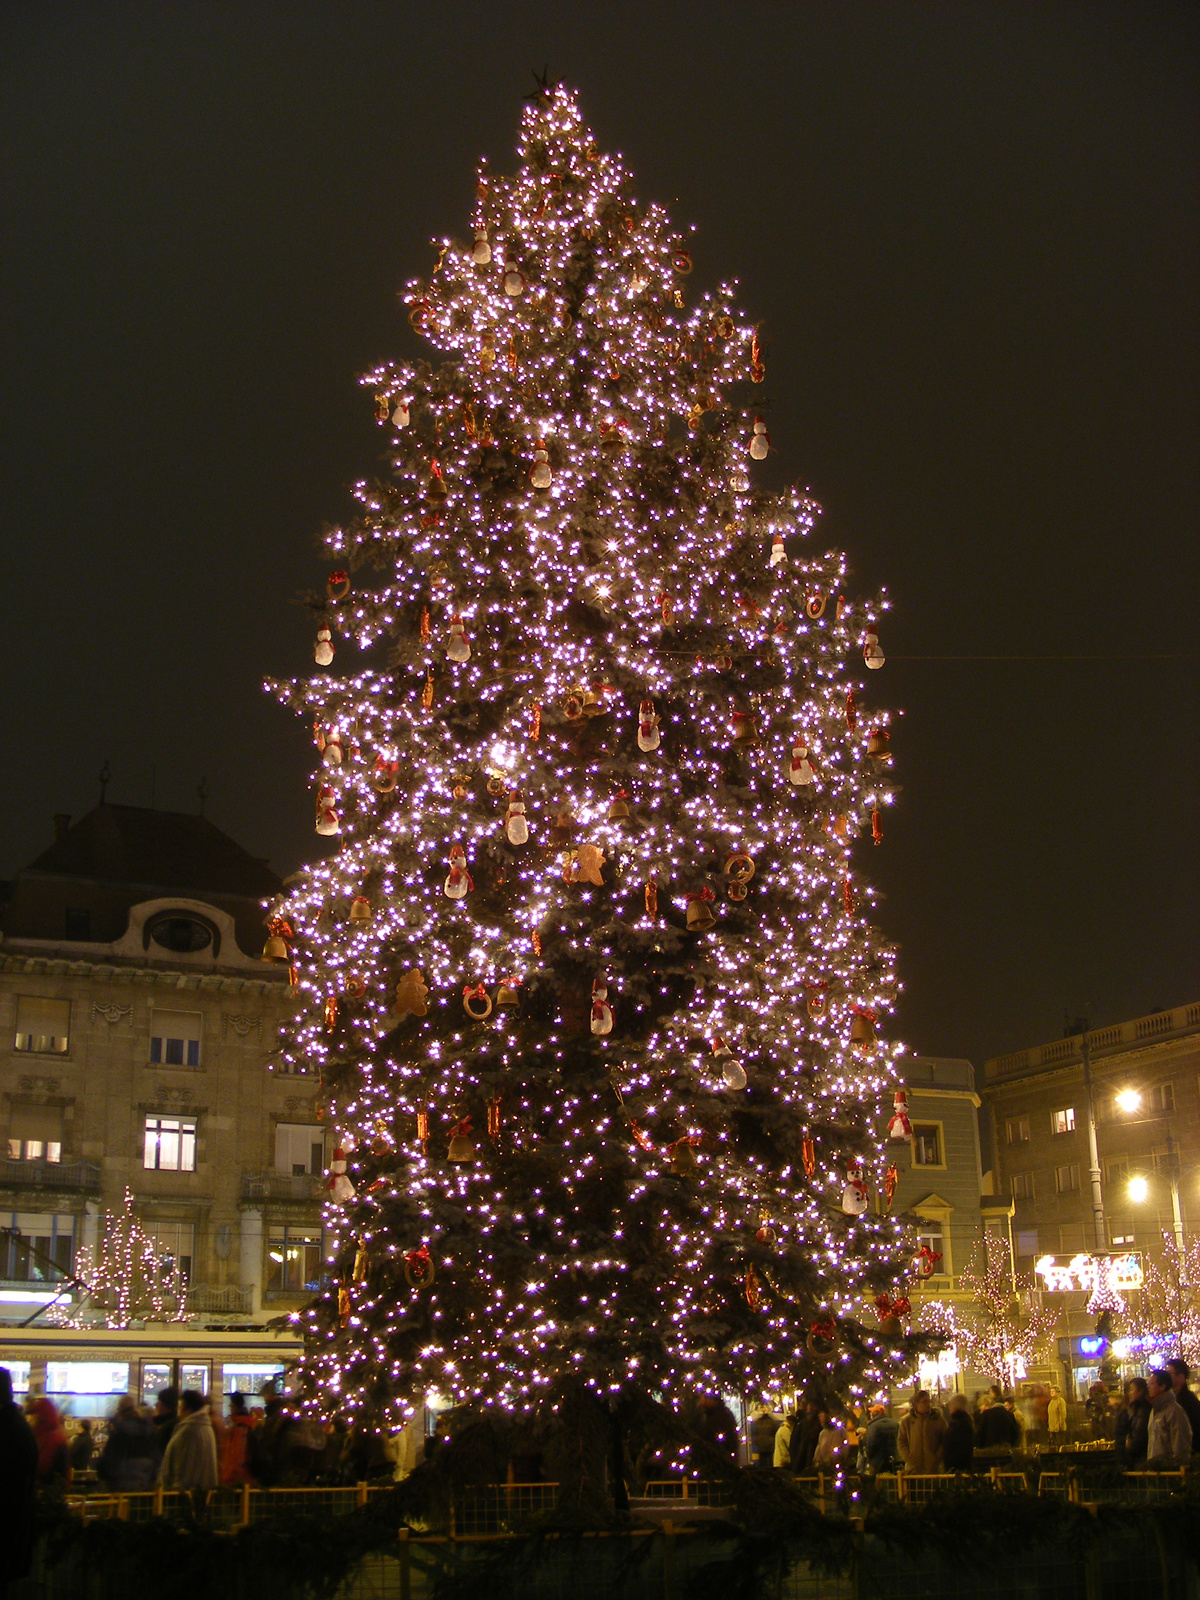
x=221, y=1299
x=1158, y=1027
x=77, y=1177
x=282, y=1186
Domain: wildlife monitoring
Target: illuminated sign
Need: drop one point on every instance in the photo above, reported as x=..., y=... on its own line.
x=1124, y=1272
x=1092, y=1345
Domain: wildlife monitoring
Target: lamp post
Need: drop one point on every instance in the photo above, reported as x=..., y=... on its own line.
x=1099, y=1229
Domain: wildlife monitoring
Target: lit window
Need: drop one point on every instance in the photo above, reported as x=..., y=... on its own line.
x=299, y=1149
x=43, y=1025
x=1063, y=1121
x=930, y=1236
x=927, y=1144
x=1121, y=1235
x=173, y=1243
x=1017, y=1130
x=170, y=1144
x=1163, y=1097
x=175, y=1038
x=35, y=1133
x=294, y=1259
x=39, y=1249
x=1066, y=1178
x=1021, y=1184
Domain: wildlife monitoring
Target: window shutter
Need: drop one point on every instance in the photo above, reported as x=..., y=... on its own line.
x=43, y=1024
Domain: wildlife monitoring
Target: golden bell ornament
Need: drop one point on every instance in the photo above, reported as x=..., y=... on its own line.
x=360, y=909
x=618, y=811
x=275, y=949
x=462, y=1146
x=878, y=743
x=506, y=994
x=683, y=1160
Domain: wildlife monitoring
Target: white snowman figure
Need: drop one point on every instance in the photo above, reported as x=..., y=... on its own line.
x=515, y=824
x=872, y=652
x=760, y=444
x=899, y=1128
x=481, y=250
x=327, y=817
x=341, y=1190
x=801, y=772
x=401, y=416
x=514, y=280
x=855, y=1196
x=602, y=1015
x=333, y=752
x=539, y=474
x=459, y=648
x=459, y=881
x=323, y=649
x=778, y=551
x=648, y=734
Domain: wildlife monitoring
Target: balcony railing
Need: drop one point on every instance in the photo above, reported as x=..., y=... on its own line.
x=80, y=1176
x=224, y=1298
x=1101, y=1041
x=281, y=1186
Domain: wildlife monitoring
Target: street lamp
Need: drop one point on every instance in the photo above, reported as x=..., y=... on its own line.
x=1139, y=1187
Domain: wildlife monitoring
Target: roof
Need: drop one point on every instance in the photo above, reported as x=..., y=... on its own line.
x=173, y=850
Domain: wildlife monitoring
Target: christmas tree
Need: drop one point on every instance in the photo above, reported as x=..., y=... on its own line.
x=591, y=981
x=127, y=1276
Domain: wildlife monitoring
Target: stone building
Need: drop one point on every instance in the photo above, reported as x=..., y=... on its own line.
x=940, y=1184
x=1037, y=1115
x=138, y=1027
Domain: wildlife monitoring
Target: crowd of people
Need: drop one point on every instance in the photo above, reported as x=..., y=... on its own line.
x=1157, y=1426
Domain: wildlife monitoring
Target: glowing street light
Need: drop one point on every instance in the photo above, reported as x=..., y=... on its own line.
x=1139, y=1188
x=1129, y=1100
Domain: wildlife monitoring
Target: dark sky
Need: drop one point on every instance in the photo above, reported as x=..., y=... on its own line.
x=970, y=231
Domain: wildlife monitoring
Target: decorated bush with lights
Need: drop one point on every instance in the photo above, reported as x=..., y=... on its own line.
x=591, y=981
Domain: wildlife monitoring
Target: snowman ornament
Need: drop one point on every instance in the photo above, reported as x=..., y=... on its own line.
x=733, y=1074
x=515, y=824
x=899, y=1128
x=872, y=651
x=778, y=551
x=323, y=649
x=327, y=817
x=648, y=735
x=602, y=1014
x=459, y=647
x=459, y=882
x=401, y=416
x=760, y=444
x=540, y=475
x=481, y=250
x=855, y=1195
x=341, y=1190
x=801, y=772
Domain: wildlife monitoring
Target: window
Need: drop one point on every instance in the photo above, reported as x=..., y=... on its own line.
x=1116, y=1169
x=78, y=924
x=1162, y=1097
x=1071, y=1241
x=1017, y=1130
x=1120, y=1235
x=174, y=1245
x=927, y=1144
x=175, y=1038
x=1165, y=1158
x=294, y=1259
x=1027, y=1242
x=40, y=1249
x=299, y=1148
x=35, y=1133
x=1063, y=1121
x=930, y=1236
x=1021, y=1184
x=180, y=934
x=1066, y=1178
x=170, y=1144
x=43, y=1025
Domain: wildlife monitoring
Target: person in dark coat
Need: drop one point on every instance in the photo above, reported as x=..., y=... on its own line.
x=879, y=1451
x=1133, y=1425
x=806, y=1430
x=82, y=1447
x=1180, y=1373
x=166, y=1415
x=763, y=1428
x=958, y=1447
x=998, y=1426
x=18, y=1471
x=128, y=1463
x=716, y=1425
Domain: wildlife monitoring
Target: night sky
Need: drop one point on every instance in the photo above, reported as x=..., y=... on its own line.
x=970, y=232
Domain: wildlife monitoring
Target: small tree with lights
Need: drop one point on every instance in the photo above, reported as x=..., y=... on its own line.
x=590, y=981
x=994, y=1333
x=127, y=1278
x=1166, y=1307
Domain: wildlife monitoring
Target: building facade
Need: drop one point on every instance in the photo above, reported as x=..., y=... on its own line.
x=1037, y=1114
x=939, y=1184
x=138, y=1030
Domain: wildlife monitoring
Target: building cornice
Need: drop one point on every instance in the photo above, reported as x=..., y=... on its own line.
x=131, y=972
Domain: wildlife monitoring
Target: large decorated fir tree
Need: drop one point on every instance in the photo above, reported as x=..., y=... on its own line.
x=590, y=978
